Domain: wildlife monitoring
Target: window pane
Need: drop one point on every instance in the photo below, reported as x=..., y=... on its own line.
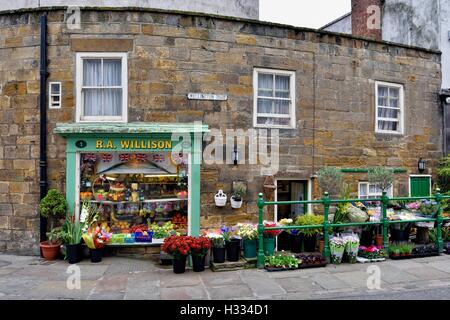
x=374, y=190
x=363, y=189
x=265, y=85
x=92, y=72
x=382, y=91
x=282, y=86
x=393, y=92
x=388, y=113
x=383, y=102
x=112, y=99
x=274, y=121
x=393, y=103
x=265, y=105
x=112, y=72
x=55, y=88
x=388, y=125
x=281, y=107
x=92, y=102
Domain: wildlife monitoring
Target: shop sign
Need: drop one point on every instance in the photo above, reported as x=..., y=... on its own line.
x=207, y=96
x=141, y=144
x=81, y=144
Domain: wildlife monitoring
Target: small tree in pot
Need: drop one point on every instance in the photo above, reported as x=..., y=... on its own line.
x=237, y=197
x=52, y=207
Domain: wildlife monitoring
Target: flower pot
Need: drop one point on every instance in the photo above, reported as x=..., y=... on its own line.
x=220, y=198
x=296, y=243
x=310, y=243
x=379, y=240
x=179, y=264
x=198, y=263
x=269, y=246
x=49, y=251
x=96, y=255
x=218, y=255
x=366, y=239
x=235, y=204
x=73, y=253
x=233, y=249
x=250, y=248
x=321, y=246
x=422, y=236
x=284, y=241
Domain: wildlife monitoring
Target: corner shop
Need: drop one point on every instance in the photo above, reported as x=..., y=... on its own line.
x=127, y=152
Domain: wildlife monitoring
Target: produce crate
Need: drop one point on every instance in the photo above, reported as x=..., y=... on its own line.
x=118, y=238
x=130, y=240
x=139, y=237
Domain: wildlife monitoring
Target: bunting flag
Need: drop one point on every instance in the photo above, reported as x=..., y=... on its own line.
x=106, y=157
x=158, y=157
x=90, y=157
x=124, y=157
x=141, y=157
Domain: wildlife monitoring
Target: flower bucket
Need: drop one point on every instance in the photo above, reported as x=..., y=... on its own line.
x=235, y=204
x=296, y=243
x=179, y=264
x=337, y=249
x=218, y=255
x=309, y=243
x=269, y=246
x=250, y=248
x=220, y=198
x=96, y=255
x=74, y=253
x=198, y=263
x=233, y=249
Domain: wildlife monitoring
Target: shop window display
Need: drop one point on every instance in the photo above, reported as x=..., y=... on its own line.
x=132, y=191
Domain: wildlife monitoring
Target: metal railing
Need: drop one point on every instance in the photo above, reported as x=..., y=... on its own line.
x=326, y=202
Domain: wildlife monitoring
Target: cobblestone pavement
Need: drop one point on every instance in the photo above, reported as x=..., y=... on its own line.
x=124, y=278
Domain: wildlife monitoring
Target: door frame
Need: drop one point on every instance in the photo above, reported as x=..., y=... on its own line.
x=309, y=193
x=429, y=176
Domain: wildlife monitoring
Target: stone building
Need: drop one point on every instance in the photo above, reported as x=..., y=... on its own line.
x=337, y=100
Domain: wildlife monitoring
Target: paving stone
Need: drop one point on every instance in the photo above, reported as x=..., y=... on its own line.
x=298, y=285
x=260, y=284
x=170, y=279
x=392, y=274
x=440, y=265
x=328, y=281
x=427, y=273
x=406, y=264
x=229, y=292
x=4, y=263
x=141, y=287
x=184, y=293
x=211, y=279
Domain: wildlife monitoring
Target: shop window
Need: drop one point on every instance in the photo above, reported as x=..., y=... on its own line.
x=389, y=110
x=54, y=95
x=132, y=191
x=102, y=84
x=274, y=98
x=367, y=190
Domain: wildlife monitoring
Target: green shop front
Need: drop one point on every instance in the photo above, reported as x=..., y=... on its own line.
x=136, y=176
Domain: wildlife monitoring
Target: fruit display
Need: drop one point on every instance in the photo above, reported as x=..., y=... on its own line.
x=87, y=195
x=117, y=187
x=121, y=225
x=179, y=221
x=139, y=228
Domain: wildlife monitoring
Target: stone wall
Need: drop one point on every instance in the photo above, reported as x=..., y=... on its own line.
x=172, y=55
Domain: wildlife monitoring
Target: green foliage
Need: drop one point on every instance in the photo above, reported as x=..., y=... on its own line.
x=382, y=177
x=309, y=219
x=55, y=235
x=239, y=192
x=73, y=232
x=281, y=261
x=330, y=179
x=53, y=204
x=445, y=234
x=405, y=248
x=443, y=174
x=341, y=215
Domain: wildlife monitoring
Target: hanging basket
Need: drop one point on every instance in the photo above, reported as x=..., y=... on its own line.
x=220, y=198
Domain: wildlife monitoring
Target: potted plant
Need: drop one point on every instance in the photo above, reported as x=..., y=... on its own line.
x=199, y=249
x=249, y=235
x=220, y=198
x=269, y=238
x=96, y=238
x=232, y=243
x=52, y=206
x=179, y=247
x=330, y=179
x=218, y=247
x=310, y=235
x=238, y=194
x=351, y=247
x=295, y=237
x=427, y=209
x=281, y=262
x=372, y=253
x=73, y=233
x=337, y=248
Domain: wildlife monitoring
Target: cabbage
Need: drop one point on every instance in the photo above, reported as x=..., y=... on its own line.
x=357, y=215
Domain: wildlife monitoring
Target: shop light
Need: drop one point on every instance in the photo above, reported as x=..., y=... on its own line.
x=421, y=165
x=159, y=175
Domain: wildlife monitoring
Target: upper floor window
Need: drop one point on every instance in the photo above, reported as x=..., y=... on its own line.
x=102, y=84
x=274, y=98
x=390, y=108
x=367, y=190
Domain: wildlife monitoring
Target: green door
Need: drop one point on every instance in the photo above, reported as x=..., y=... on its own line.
x=420, y=186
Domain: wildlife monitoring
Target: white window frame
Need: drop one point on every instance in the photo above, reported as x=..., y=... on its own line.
x=401, y=102
x=51, y=95
x=374, y=195
x=292, y=97
x=79, y=84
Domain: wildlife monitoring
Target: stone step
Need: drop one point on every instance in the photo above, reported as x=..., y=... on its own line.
x=243, y=263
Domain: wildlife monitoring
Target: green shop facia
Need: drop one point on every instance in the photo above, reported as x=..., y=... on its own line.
x=135, y=173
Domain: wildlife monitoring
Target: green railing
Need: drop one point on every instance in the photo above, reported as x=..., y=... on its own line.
x=326, y=202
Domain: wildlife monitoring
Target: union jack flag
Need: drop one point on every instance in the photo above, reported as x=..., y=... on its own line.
x=158, y=157
x=90, y=157
x=141, y=157
x=106, y=157
x=124, y=157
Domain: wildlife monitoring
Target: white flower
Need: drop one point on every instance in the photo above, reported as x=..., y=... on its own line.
x=84, y=214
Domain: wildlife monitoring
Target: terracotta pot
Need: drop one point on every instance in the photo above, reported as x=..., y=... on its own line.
x=379, y=240
x=49, y=250
x=321, y=245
